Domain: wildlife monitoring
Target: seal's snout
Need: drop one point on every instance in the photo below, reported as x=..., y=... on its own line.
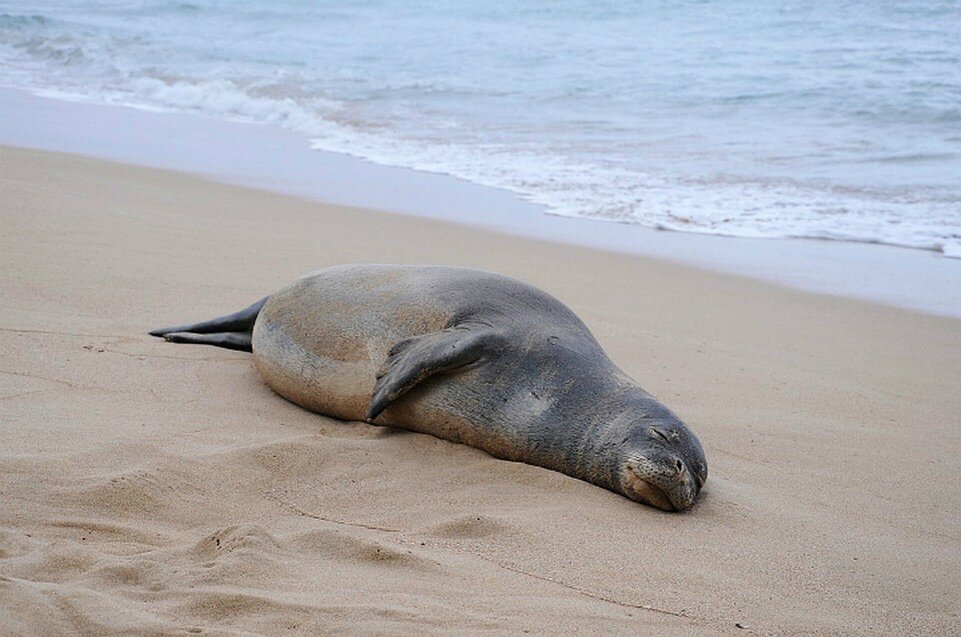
x=662, y=483
x=663, y=463
x=646, y=492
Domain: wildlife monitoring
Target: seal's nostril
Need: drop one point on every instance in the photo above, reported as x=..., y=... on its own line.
x=679, y=465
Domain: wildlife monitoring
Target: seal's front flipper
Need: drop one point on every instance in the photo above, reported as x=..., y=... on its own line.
x=413, y=359
x=230, y=340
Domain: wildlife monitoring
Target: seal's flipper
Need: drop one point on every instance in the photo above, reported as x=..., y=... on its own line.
x=230, y=340
x=242, y=321
x=413, y=359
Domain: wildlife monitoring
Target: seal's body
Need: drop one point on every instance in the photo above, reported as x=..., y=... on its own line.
x=467, y=356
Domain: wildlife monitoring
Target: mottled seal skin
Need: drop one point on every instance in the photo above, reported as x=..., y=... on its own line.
x=467, y=356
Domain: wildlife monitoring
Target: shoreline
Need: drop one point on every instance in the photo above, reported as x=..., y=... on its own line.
x=282, y=161
x=163, y=489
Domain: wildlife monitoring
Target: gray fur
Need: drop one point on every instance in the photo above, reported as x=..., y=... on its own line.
x=475, y=358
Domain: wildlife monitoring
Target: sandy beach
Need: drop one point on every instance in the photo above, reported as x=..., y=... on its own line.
x=154, y=489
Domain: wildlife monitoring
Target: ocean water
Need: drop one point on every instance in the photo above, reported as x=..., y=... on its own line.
x=825, y=119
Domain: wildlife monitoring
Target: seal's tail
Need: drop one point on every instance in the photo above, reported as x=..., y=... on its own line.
x=232, y=331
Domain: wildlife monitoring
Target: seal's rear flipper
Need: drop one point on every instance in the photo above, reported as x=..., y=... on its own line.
x=230, y=340
x=232, y=331
x=413, y=359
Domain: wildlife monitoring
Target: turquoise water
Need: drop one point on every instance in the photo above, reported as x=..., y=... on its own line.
x=780, y=119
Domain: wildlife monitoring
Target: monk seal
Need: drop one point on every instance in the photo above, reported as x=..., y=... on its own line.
x=468, y=356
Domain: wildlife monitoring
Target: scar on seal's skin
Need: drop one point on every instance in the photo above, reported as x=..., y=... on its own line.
x=469, y=356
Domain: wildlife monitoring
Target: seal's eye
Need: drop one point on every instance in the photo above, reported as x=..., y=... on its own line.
x=657, y=433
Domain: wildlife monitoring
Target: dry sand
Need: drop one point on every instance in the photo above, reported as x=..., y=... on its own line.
x=149, y=488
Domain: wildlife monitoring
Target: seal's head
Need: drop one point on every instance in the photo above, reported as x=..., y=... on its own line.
x=664, y=465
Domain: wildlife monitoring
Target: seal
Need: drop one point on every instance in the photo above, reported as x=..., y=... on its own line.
x=467, y=356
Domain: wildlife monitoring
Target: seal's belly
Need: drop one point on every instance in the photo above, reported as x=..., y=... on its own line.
x=336, y=377
x=467, y=408
x=320, y=341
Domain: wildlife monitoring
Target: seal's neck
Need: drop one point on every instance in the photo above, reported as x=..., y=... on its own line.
x=607, y=410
